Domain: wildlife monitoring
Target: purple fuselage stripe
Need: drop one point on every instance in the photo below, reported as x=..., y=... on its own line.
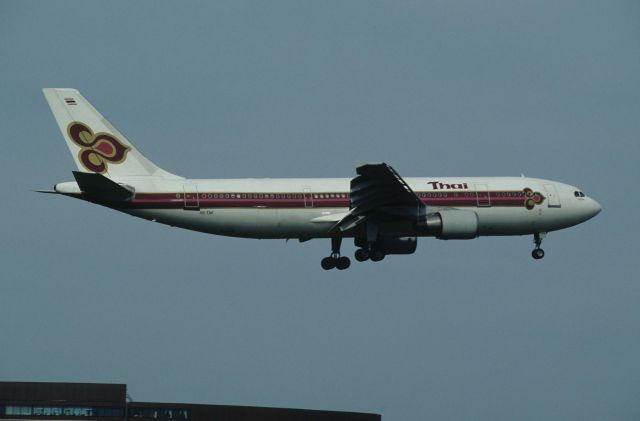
x=340, y=200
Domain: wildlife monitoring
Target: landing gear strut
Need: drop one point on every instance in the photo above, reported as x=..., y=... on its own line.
x=335, y=260
x=537, y=252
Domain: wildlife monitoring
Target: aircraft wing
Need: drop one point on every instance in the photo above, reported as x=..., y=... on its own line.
x=378, y=192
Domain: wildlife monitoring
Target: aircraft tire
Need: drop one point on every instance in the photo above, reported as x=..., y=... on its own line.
x=343, y=263
x=362, y=255
x=328, y=263
x=537, y=254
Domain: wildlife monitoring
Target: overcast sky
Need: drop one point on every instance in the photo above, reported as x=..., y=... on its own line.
x=460, y=330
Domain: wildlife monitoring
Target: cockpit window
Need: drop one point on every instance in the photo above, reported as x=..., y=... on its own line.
x=578, y=194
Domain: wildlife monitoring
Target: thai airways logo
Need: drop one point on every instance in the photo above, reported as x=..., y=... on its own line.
x=96, y=150
x=532, y=198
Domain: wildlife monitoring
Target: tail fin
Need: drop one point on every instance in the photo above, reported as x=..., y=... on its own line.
x=95, y=144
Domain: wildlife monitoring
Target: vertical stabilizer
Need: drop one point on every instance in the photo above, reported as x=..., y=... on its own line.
x=97, y=146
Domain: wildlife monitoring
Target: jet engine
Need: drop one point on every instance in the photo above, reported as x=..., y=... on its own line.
x=450, y=224
x=397, y=245
x=391, y=245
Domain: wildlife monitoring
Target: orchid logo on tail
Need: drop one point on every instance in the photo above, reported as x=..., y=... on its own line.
x=96, y=150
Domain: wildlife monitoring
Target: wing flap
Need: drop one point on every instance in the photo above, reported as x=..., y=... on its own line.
x=379, y=192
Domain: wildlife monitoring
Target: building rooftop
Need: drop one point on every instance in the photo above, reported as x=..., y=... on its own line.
x=107, y=402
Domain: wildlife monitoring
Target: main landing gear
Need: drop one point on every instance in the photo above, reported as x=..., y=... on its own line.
x=364, y=254
x=368, y=249
x=335, y=260
x=537, y=252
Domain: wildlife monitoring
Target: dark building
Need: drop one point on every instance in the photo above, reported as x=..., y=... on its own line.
x=108, y=402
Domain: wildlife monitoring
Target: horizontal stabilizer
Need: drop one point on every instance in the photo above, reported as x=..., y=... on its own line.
x=101, y=187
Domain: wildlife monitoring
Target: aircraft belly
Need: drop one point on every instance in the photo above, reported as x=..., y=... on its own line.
x=248, y=223
x=496, y=221
x=508, y=221
x=297, y=223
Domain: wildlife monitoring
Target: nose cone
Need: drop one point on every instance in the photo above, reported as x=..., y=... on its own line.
x=592, y=208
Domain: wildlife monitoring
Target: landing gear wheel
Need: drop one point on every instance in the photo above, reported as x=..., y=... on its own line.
x=537, y=252
x=328, y=263
x=343, y=262
x=334, y=260
x=362, y=255
x=376, y=256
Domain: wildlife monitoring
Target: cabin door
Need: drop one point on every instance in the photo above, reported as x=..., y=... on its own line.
x=308, y=197
x=191, y=199
x=553, y=200
x=482, y=195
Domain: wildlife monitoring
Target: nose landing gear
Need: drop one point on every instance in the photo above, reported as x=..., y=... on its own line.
x=537, y=252
x=335, y=260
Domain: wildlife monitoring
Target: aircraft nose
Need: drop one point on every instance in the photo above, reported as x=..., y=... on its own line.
x=594, y=208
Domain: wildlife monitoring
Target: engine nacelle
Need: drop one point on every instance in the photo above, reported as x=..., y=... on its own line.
x=451, y=224
x=391, y=245
x=397, y=245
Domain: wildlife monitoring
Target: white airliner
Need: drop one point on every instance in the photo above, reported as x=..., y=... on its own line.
x=383, y=212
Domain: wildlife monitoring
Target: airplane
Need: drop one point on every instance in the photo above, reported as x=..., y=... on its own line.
x=384, y=213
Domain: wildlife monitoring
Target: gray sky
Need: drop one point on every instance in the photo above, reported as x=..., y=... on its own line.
x=458, y=331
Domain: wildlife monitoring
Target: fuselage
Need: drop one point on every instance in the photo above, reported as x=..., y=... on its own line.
x=310, y=207
x=383, y=211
